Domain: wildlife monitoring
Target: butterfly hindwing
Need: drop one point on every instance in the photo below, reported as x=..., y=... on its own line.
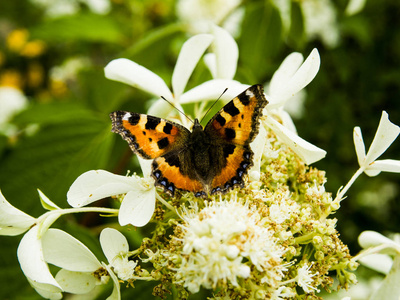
x=171, y=172
x=238, y=162
x=148, y=136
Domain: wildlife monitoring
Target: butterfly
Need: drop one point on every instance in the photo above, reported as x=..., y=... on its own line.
x=205, y=161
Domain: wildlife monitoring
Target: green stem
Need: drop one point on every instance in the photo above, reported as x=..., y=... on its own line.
x=342, y=192
x=305, y=238
x=169, y=206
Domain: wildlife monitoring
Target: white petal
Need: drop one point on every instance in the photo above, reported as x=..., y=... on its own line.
x=46, y=202
x=210, y=59
x=354, y=6
x=384, y=165
x=227, y=53
x=212, y=89
x=385, y=135
x=378, y=262
x=76, y=282
x=189, y=56
x=286, y=120
x=286, y=70
x=370, y=238
x=129, y=72
x=160, y=108
x=116, y=293
x=359, y=145
x=12, y=220
x=307, y=151
x=137, y=208
x=45, y=290
x=300, y=79
x=31, y=259
x=145, y=165
x=65, y=251
x=390, y=287
x=95, y=185
x=113, y=243
x=258, y=147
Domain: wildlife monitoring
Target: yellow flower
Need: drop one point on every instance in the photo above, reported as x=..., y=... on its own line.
x=17, y=39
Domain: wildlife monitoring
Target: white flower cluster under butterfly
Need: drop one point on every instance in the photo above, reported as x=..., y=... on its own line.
x=218, y=240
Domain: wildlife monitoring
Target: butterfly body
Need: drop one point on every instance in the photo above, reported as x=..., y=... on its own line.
x=204, y=160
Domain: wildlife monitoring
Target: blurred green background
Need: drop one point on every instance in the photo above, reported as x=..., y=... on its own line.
x=54, y=52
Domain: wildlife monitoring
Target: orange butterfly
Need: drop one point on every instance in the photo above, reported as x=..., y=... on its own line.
x=203, y=161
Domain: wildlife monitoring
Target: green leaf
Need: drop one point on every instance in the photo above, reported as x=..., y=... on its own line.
x=79, y=27
x=53, y=113
x=52, y=159
x=260, y=39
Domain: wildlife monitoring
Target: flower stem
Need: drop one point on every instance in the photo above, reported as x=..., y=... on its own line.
x=169, y=206
x=48, y=218
x=342, y=192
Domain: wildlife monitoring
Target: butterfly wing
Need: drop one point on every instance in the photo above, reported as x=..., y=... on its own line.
x=148, y=136
x=234, y=127
x=172, y=171
x=162, y=140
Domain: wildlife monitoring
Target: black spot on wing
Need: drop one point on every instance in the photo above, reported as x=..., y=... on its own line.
x=163, y=143
x=167, y=128
x=221, y=120
x=231, y=109
x=244, y=99
x=152, y=122
x=228, y=150
x=172, y=160
x=134, y=119
x=230, y=133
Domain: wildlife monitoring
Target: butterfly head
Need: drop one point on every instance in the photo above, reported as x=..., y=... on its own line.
x=197, y=126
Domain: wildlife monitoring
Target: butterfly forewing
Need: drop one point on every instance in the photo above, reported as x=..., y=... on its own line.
x=238, y=121
x=148, y=136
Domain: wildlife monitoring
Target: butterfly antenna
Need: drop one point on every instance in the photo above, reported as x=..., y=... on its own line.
x=213, y=104
x=170, y=103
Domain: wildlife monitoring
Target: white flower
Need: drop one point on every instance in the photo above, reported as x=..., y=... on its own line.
x=377, y=257
x=218, y=238
x=354, y=7
x=12, y=220
x=57, y=8
x=304, y=278
x=320, y=21
x=385, y=135
x=80, y=270
x=69, y=69
x=290, y=78
x=116, y=248
x=12, y=101
x=138, y=204
x=200, y=15
x=192, y=50
x=383, y=255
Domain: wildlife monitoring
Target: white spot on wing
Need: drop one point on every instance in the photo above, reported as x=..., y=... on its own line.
x=249, y=93
x=126, y=117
